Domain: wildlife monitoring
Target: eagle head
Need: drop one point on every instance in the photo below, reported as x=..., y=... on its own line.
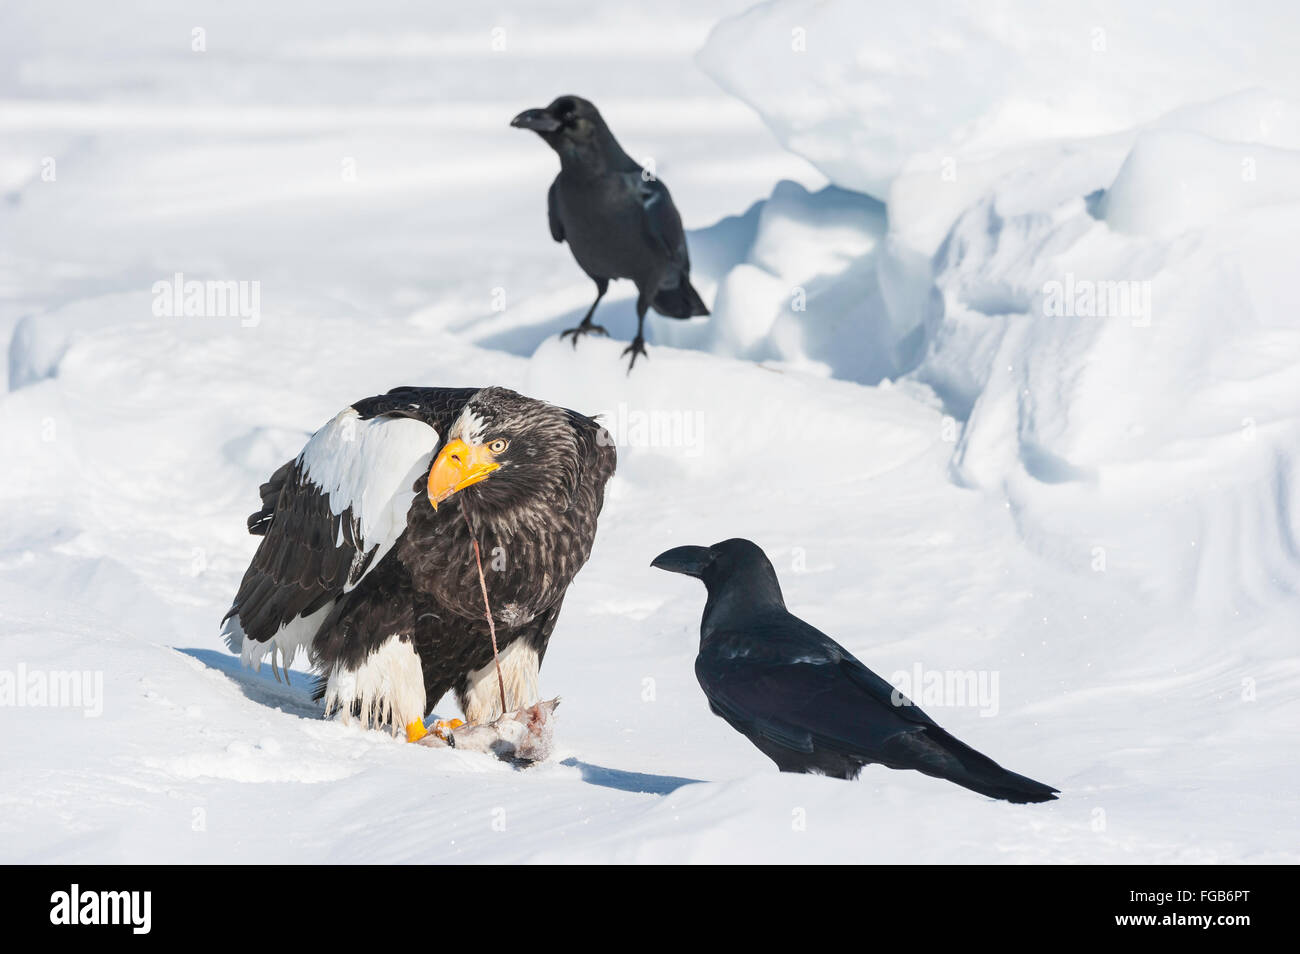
x=505, y=452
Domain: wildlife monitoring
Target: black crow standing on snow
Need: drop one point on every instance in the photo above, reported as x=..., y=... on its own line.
x=619, y=220
x=801, y=698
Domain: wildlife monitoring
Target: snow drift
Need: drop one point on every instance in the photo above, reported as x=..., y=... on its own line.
x=1089, y=227
x=864, y=87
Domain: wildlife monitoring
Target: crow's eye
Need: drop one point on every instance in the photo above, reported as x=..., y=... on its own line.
x=498, y=445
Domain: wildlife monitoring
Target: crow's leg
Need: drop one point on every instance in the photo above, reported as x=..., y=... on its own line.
x=637, y=347
x=587, y=328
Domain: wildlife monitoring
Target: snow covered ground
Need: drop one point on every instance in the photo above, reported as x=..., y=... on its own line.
x=1022, y=279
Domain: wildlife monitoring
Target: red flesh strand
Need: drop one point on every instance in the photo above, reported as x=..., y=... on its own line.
x=482, y=582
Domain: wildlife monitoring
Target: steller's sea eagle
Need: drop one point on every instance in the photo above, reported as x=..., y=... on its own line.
x=362, y=564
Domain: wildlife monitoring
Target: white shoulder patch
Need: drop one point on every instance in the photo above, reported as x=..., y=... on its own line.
x=370, y=466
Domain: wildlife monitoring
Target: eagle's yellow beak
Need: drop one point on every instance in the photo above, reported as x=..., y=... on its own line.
x=458, y=467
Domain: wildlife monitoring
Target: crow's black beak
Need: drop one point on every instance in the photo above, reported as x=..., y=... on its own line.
x=538, y=120
x=690, y=561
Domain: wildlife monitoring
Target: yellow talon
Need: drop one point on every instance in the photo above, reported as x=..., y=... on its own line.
x=444, y=727
x=415, y=731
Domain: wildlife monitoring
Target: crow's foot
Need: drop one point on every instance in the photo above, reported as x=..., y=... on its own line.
x=586, y=328
x=636, y=349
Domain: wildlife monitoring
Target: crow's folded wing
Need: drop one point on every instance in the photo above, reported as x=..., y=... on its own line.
x=553, y=213
x=663, y=225
x=794, y=686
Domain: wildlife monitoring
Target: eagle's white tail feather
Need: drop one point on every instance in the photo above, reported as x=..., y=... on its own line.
x=294, y=635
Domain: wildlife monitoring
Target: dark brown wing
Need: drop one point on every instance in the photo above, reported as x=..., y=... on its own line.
x=325, y=514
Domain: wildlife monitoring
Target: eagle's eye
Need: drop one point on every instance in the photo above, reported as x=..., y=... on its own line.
x=498, y=446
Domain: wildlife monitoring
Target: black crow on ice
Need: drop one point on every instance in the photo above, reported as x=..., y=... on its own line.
x=801, y=698
x=619, y=220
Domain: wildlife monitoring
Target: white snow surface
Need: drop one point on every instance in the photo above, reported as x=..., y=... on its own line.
x=863, y=88
x=949, y=468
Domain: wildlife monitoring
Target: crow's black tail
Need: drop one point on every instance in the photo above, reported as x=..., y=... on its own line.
x=681, y=301
x=979, y=773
